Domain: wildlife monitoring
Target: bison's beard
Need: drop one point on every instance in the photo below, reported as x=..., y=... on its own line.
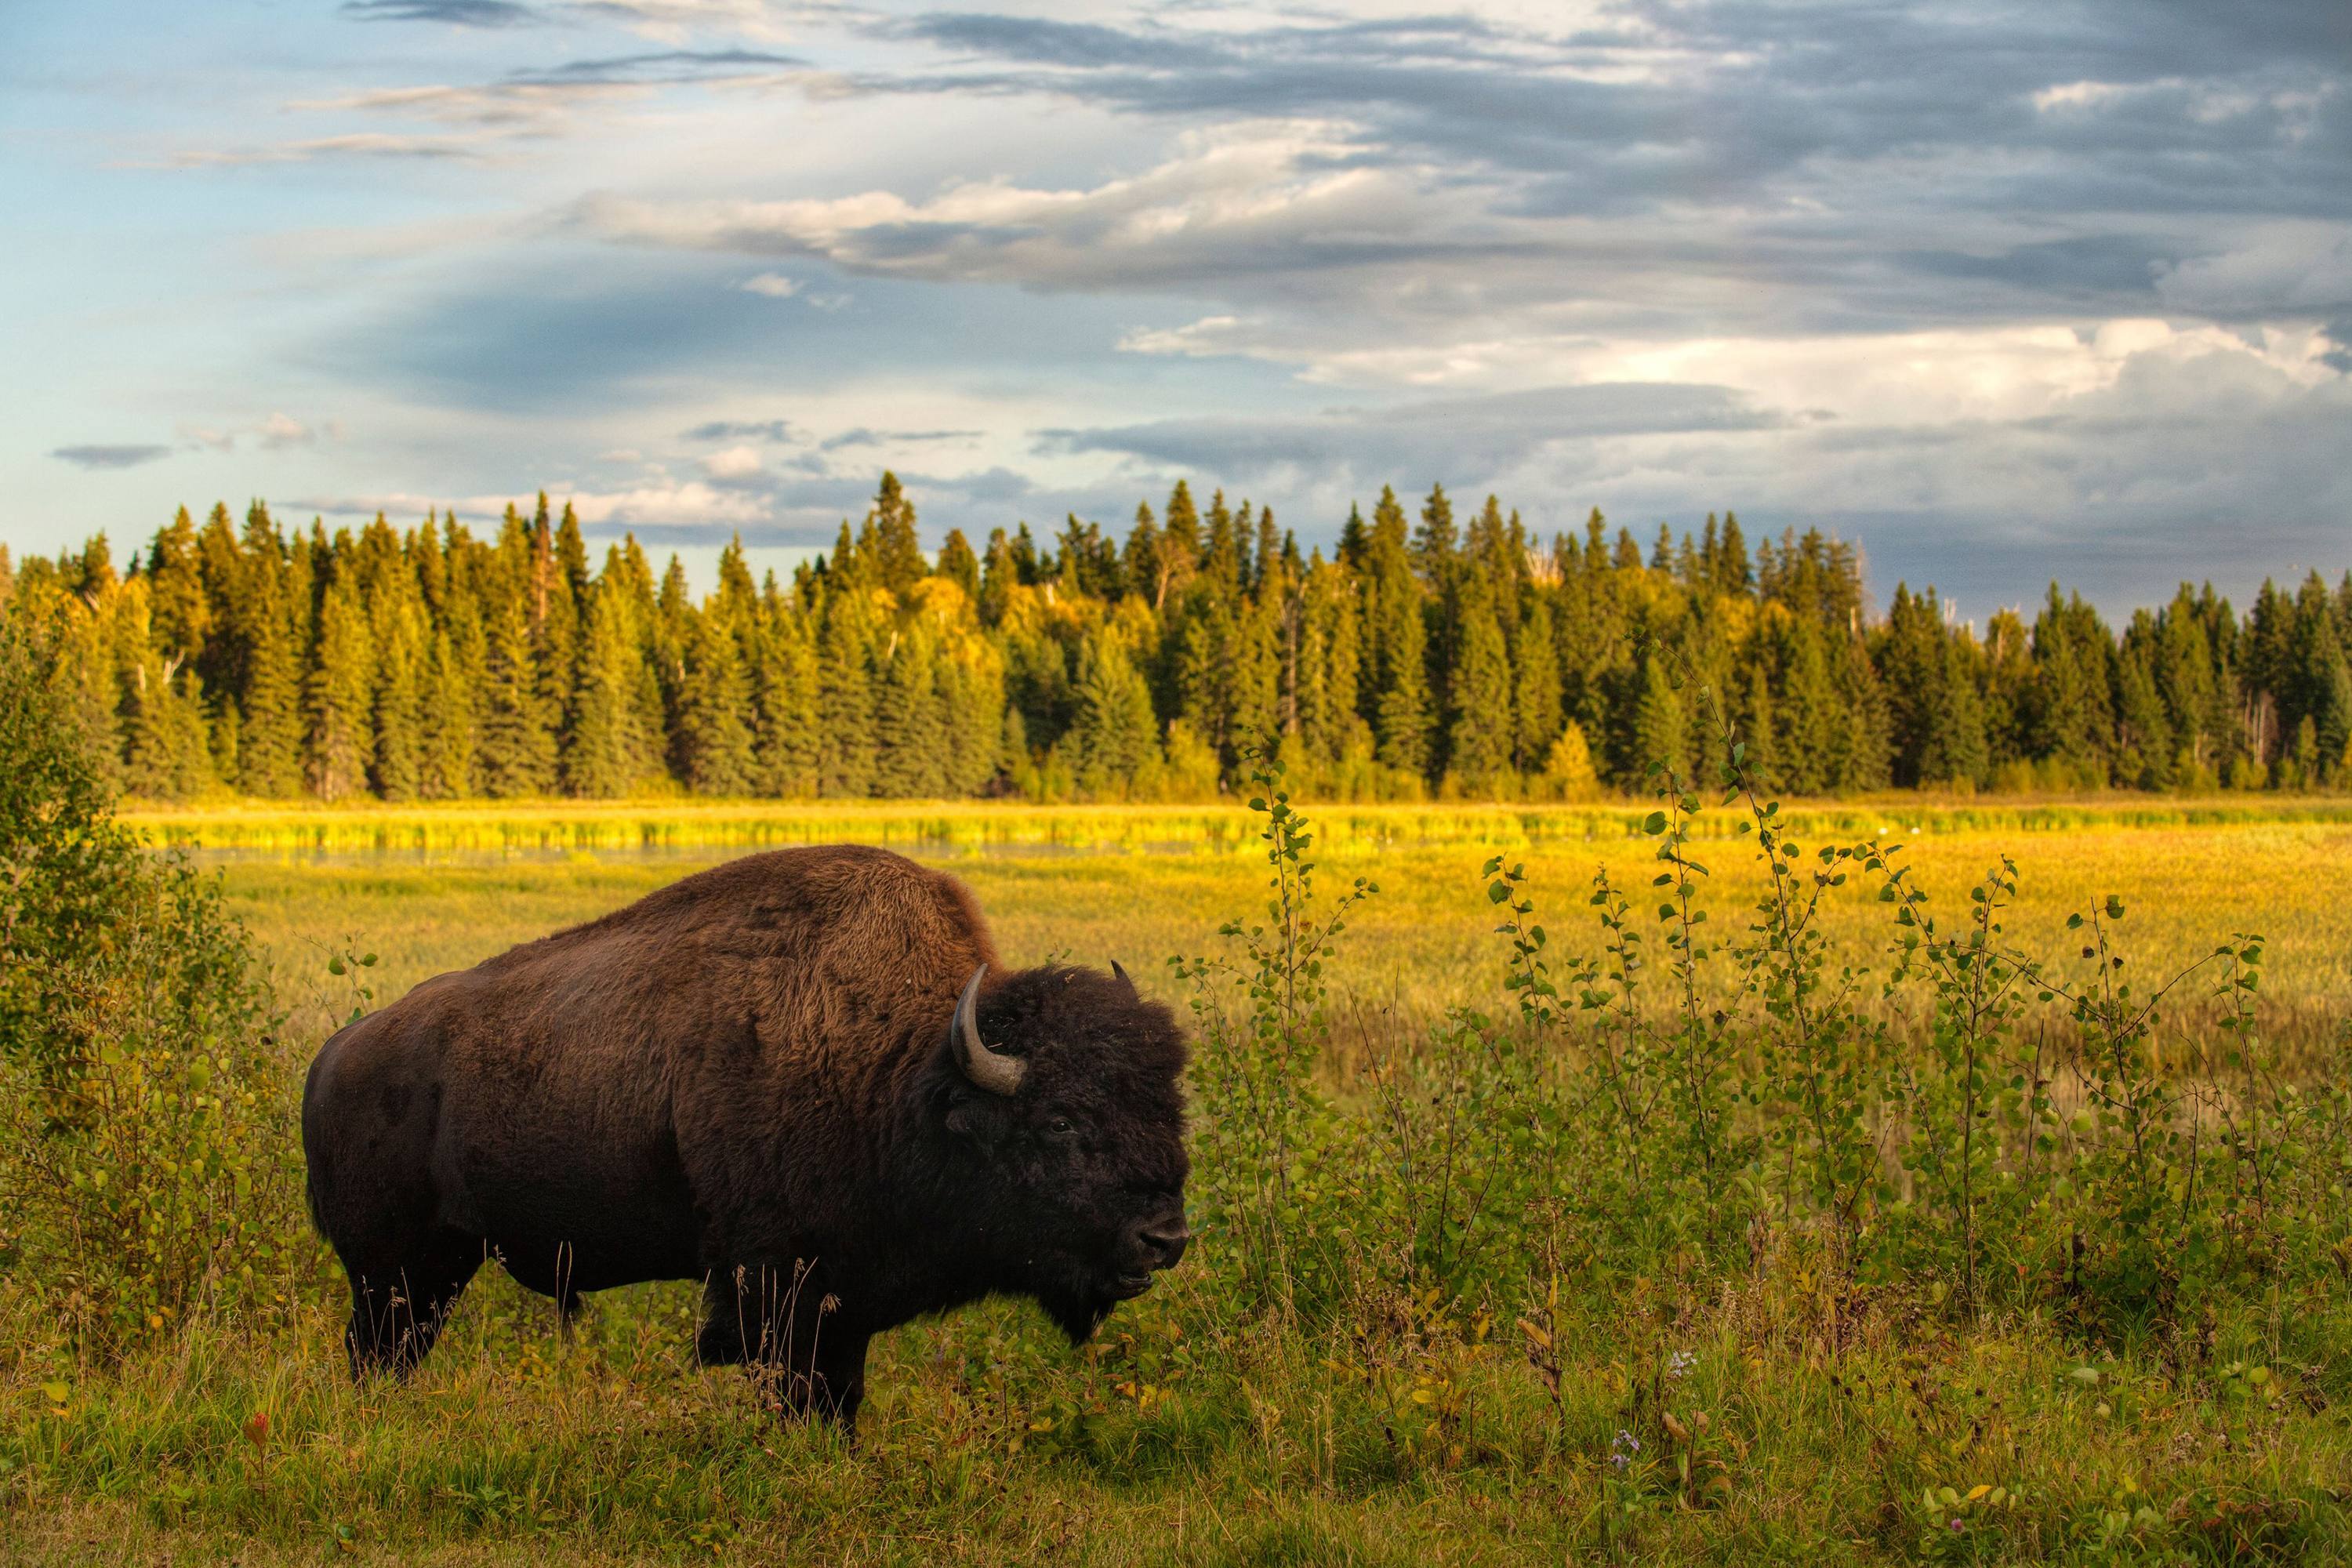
x=1079, y=1314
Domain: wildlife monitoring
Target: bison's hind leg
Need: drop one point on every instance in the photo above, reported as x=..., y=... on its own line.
x=399, y=1303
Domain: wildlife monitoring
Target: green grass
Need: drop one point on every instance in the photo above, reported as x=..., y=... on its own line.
x=1420, y=946
x=1814, y=1422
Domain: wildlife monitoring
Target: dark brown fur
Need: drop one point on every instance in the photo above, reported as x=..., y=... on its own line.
x=746, y=1078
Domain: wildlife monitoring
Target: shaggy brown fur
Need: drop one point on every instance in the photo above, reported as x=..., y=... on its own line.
x=747, y=1078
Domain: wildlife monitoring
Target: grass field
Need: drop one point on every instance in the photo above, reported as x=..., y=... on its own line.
x=430, y=891
x=1778, y=1414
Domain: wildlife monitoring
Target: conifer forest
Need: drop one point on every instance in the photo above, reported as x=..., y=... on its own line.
x=1428, y=654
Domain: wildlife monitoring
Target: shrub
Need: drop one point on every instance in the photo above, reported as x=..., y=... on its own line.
x=144, y=1170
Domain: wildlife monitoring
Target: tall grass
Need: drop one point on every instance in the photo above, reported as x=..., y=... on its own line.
x=1724, y=1189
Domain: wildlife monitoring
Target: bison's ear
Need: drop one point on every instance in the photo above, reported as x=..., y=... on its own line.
x=992, y=1071
x=1125, y=979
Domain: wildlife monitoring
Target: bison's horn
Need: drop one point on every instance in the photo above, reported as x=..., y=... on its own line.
x=1124, y=977
x=990, y=1070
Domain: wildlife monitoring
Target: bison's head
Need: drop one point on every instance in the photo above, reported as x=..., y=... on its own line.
x=1060, y=1089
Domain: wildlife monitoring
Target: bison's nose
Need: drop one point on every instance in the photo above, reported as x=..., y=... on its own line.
x=1162, y=1242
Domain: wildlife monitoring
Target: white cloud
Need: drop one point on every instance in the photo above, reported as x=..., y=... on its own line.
x=774, y=285
x=733, y=463
x=1226, y=197
x=664, y=504
x=357, y=143
x=2274, y=268
x=283, y=430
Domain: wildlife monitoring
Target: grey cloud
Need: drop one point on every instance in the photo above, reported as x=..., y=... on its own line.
x=1486, y=435
x=1079, y=44
x=741, y=430
x=662, y=67
x=125, y=456
x=993, y=486
x=2340, y=357
x=455, y=13
x=861, y=436
x=1890, y=123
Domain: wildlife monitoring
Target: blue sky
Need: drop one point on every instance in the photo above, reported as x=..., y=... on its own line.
x=2003, y=291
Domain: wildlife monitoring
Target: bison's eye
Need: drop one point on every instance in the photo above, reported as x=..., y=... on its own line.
x=1060, y=1127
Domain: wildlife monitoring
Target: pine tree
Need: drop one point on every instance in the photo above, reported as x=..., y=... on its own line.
x=783, y=697
x=1480, y=736
x=1658, y=729
x=844, y=706
x=338, y=705
x=1399, y=695
x=887, y=544
x=1112, y=739
x=1330, y=666
x=166, y=752
x=180, y=611
x=714, y=740
x=959, y=565
x=612, y=744
x=1568, y=773
x=517, y=754
x=908, y=743
x=971, y=717
x=269, y=753
x=397, y=627
x=1534, y=700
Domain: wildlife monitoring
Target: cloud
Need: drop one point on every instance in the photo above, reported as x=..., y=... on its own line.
x=280, y=431
x=455, y=13
x=354, y=145
x=739, y=430
x=774, y=285
x=124, y=456
x=1245, y=198
x=665, y=504
x=664, y=68
x=207, y=435
x=1489, y=435
x=733, y=463
x=2299, y=267
x=861, y=436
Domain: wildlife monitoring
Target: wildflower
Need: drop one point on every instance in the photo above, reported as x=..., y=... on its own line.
x=1679, y=1364
x=1623, y=1447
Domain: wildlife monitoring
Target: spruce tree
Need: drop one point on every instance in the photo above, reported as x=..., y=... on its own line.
x=611, y=746
x=782, y=660
x=959, y=565
x=338, y=707
x=269, y=749
x=844, y=705
x=1399, y=694
x=714, y=740
x=908, y=743
x=1658, y=729
x=894, y=557
x=1479, y=737
x=1535, y=710
x=1112, y=738
x=397, y=625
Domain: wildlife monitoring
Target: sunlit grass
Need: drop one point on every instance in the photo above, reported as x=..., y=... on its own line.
x=1183, y=1436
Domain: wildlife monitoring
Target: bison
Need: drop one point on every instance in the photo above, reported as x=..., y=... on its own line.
x=799, y=1076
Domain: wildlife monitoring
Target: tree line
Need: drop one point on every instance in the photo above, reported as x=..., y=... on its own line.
x=1424, y=654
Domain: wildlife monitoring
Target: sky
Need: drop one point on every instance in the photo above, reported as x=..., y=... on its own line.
x=2004, y=292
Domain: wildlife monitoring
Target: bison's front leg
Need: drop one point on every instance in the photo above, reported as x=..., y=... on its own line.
x=788, y=1327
